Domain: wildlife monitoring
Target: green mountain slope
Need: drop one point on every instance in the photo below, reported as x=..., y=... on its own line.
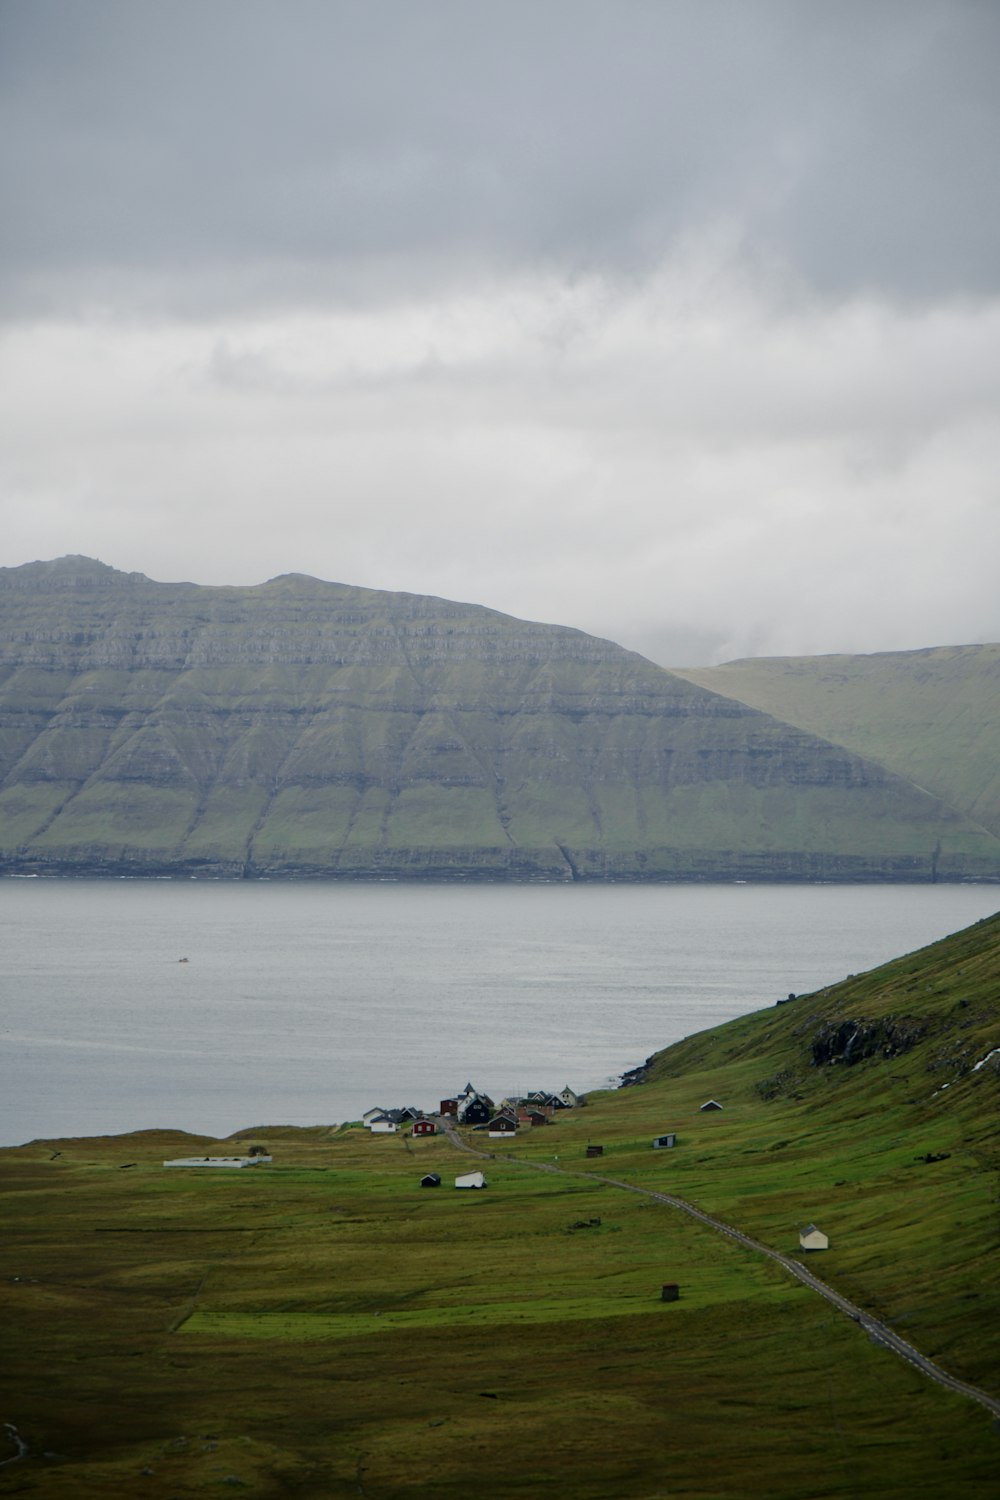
x=932, y=716
x=303, y=728
x=324, y=1327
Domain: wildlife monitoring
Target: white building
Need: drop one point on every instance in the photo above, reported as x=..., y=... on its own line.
x=217, y=1161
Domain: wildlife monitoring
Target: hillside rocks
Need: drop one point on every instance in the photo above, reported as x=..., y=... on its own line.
x=851, y=1041
x=302, y=729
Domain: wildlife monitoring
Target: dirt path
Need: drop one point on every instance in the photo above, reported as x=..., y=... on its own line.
x=876, y=1331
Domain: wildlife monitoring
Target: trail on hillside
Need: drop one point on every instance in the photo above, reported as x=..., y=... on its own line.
x=876, y=1330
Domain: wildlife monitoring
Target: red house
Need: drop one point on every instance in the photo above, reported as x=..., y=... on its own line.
x=424, y=1127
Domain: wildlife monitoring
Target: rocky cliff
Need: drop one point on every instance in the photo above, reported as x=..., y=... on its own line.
x=302, y=728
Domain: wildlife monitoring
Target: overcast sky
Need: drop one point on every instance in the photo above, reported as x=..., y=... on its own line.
x=674, y=320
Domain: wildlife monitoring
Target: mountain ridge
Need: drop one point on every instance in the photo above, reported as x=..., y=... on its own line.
x=300, y=728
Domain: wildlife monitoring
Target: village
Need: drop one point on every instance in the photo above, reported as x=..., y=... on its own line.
x=472, y=1109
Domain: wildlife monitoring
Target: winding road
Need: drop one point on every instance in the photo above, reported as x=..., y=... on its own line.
x=876, y=1331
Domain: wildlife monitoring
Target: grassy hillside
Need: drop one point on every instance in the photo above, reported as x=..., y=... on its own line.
x=931, y=716
x=303, y=728
x=324, y=1327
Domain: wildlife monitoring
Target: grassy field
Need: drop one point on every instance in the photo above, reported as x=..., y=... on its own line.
x=323, y=1327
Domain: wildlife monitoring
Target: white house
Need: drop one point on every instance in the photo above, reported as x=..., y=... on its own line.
x=382, y=1125
x=217, y=1161
x=813, y=1239
x=471, y=1180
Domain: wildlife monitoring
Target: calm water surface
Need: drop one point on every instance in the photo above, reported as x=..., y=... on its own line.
x=306, y=1004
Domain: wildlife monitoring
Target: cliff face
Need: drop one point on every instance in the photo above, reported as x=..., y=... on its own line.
x=302, y=728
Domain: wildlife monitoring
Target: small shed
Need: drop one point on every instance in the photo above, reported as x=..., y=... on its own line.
x=709, y=1104
x=424, y=1127
x=670, y=1292
x=595, y=1151
x=665, y=1142
x=813, y=1239
x=431, y=1179
x=229, y=1162
x=470, y=1180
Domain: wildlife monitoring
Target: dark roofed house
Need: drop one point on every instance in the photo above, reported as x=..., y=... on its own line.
x=474, y=1110
x=424, y=1127
x=503, y=1124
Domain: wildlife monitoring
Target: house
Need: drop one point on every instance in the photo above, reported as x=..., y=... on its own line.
x=218, y=1161
x=813, y=1239
x=475, y=1109
x=527, y=1115
x=383, y=1125
x=372, y=1114
x=471, y=1180
x=448, y=1107
x=568, y=1098
x=431, y=1179
x=424, y=1127
x=709, y=1104
x=665, y=1142
x=503, y=1124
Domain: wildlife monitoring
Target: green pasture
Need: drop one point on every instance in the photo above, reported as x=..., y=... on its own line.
x=325, y=1327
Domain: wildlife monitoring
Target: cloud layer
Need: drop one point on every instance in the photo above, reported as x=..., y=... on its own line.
x=676, y=322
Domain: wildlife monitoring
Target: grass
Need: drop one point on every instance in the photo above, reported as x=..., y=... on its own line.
x=324, y=1327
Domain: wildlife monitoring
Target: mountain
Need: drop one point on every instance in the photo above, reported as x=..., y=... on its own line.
x=301, y=728
x=930, y=716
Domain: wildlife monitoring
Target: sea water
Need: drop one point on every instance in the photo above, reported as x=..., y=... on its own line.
x=211, y=1007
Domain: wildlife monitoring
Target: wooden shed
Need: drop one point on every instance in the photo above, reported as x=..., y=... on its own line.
x=670, y=1292
x=595, y=1151
x=431, y=1179
x=709, y=1104
x=665, y=1142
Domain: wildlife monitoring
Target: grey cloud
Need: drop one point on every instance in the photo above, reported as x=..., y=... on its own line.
x=189, y=155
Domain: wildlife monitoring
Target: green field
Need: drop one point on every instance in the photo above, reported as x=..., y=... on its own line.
x=323, y=1327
